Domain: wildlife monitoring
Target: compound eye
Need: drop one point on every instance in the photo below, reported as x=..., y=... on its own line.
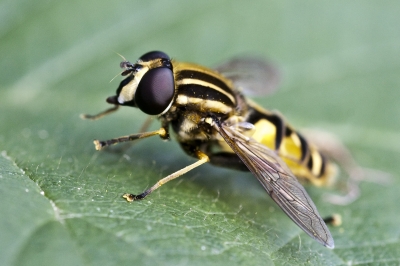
x=154, y=55
x=155, y=91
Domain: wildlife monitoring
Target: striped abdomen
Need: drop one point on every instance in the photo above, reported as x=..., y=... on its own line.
x=303, y=158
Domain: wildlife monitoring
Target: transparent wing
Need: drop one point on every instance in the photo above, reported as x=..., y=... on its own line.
x=255, y=77
x=279, y=182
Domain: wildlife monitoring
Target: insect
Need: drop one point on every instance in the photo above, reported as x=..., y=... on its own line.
x=214, y=122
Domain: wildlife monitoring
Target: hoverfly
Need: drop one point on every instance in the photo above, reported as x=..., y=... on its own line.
x=214, y=122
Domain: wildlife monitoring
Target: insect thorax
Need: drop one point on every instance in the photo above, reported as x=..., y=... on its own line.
x=200, y=92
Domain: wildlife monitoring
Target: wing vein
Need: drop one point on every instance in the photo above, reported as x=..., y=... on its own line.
x=278, y=181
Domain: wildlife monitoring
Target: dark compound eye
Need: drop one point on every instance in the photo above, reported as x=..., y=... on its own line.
x=154, y=55
x=155, y=91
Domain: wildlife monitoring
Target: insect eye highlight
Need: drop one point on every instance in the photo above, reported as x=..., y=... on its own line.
x=155, y=91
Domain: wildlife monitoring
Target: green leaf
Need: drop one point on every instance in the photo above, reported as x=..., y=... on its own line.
x=61, y=200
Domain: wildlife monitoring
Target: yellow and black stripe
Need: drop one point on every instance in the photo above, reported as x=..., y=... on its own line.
x=303, y=158
x=202, y=89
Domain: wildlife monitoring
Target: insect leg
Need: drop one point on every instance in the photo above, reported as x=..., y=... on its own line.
x=99, y=144
x=203, y=158
x=329, y=153
x=336, y=151
x=228, y=160
x=100, y=115
x=146, y=124
x=334, y=220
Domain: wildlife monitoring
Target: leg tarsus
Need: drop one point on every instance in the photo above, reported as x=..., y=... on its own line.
x=334, y=220
x=131, y=197
x=352, y=186
x=99, y=144
x=203, y=158
x=100, y=115
x=334, y=149
x=352, y=194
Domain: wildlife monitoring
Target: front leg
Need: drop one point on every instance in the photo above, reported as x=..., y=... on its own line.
x=162, y=132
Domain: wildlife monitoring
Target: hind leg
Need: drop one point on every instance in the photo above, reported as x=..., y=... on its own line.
x=330, y=146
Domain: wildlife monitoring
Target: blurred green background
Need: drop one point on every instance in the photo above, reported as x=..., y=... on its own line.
x=61, y=200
